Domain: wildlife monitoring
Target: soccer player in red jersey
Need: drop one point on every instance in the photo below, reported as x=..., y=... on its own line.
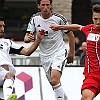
x=91, y=84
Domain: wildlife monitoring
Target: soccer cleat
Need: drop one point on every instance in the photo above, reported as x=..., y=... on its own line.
x=12, y=97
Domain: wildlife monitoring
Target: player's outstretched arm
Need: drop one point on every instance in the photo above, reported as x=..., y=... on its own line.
x=71, y=27
x=28, y=51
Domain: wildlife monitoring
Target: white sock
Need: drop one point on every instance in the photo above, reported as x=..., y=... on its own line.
x=59, y=92
x=8, y=87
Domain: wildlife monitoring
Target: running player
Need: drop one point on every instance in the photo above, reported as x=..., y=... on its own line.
x=52, y=47
x=7, y=70
x=91, y=84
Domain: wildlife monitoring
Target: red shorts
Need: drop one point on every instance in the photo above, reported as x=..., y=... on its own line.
x=92, y=82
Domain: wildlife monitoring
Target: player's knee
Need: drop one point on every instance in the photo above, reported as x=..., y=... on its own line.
x=83, y=98
x=54, y=81
x=10, y=75
x=86, y=98
x=87, y=95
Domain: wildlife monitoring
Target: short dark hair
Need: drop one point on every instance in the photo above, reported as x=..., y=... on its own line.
x=1, y=18
x=96, y=8
x=38, y=1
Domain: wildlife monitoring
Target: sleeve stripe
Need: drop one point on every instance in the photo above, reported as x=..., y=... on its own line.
x=62, y=17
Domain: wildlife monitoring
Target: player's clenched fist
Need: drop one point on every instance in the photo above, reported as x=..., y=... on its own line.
x=40, y=34
x=54, y=27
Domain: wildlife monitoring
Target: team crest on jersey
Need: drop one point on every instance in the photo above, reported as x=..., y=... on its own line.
x=93, y=37
x=28, y=27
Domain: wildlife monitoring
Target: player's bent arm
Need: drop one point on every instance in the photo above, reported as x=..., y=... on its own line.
x=33, y=47
x=28, y=51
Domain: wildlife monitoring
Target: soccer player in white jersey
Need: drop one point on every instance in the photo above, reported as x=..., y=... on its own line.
x=7, y=70
x=52, y=48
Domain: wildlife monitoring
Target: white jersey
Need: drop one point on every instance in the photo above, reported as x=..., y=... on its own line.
x=53, y=40
x=7, y=46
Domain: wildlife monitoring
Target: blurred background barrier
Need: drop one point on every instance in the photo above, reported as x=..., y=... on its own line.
x=34, y=59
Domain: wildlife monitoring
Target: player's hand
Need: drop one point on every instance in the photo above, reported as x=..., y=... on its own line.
x=54, y=27
x=70, y=59
x=31, y=37
x=41, y=34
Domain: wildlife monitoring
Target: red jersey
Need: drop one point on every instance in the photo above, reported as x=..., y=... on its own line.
x=92, y=62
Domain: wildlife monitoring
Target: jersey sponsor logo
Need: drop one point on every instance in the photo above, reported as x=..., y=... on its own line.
x=93, y=37
x=46, y=34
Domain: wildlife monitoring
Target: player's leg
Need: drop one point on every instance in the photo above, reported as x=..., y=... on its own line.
x=12, y=97
x=90, y=88
x=58, y=65
x=8, y=86
x=56, y=84
x=59, y=92
x=87, y=94
x=53, y=69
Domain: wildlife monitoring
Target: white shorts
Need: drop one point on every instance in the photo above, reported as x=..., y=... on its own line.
x=3, y=73
x=56, y=61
